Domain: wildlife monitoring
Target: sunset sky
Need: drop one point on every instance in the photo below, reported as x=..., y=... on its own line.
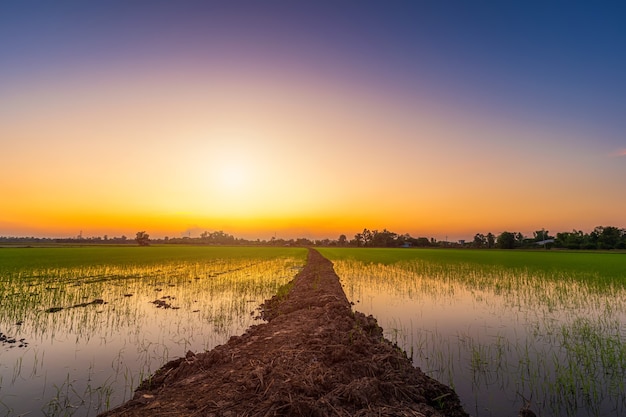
x=263, y=118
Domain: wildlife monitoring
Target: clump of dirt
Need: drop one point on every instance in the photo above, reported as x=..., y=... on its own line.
x=161, y=303
x=314, y=357
x=97, y=301
x=11, y=341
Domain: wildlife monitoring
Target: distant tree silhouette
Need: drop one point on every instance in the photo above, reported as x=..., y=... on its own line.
x=480, y=241
x=367, y=237
x=358, y=239
x=491, y=240
x=506, y=240
x=143, y=239
x=384, y=239
x=609, y=237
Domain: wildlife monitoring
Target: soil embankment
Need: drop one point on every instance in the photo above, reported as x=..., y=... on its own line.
x=314, y=357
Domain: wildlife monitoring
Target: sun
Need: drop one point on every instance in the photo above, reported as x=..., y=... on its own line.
x=232, y=177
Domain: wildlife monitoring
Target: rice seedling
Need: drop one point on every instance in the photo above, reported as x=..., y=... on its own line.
x=548, y=326
x=93, y=324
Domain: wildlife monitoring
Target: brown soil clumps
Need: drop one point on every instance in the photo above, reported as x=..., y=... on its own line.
x=314, y=357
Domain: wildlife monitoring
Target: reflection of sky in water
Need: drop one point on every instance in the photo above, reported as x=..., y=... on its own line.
x=533, y=338
x=100, y=353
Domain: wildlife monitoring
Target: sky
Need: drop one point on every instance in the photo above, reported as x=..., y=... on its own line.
x=435, y=118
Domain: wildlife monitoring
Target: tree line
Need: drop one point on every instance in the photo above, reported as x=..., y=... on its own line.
x=602, y=237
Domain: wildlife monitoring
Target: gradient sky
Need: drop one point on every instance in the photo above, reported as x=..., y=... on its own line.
x=439, y=118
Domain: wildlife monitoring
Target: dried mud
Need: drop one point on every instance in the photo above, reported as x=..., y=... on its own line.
x=314, y=357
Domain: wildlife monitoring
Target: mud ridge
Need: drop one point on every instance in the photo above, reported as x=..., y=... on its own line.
x=314, y=357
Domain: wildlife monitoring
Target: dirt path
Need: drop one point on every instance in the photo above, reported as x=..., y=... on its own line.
x=314, y=357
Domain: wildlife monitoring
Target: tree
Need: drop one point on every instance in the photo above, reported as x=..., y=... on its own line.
x=541, y=235
x=143, y=239
x=491, y=240
x=570, y=240
x=303, y=241
x=358, y=239
x=480, y=241
x=343, y=240
x=367, y=237
x=422, y=242
x=384, y=239
x=506, y=240
x=602, y=237
x=609, y=237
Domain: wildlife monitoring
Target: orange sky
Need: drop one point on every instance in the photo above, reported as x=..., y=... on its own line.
x=250, y=139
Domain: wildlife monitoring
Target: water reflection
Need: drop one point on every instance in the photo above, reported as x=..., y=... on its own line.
x=500, y=336
x=84, y=357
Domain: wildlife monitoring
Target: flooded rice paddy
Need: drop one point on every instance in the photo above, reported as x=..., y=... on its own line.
x=81, y=327
x=500, y=333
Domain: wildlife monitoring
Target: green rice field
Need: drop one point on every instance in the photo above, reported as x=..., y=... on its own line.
x=81, y=327
x=503, y=328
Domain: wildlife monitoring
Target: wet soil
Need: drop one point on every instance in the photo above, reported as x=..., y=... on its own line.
x=12, y=341
x=313, y=357
x=97, y=301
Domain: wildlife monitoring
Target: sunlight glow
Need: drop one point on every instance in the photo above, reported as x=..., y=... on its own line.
x=233, y=177
x=270, y=129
